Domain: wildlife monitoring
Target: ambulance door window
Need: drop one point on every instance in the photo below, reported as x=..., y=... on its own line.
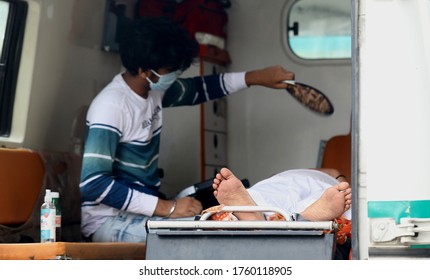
x=319, y=29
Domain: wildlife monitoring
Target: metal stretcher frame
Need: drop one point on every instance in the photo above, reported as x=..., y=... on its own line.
x=206, y=240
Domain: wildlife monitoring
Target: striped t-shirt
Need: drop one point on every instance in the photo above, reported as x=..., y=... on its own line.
x=120, y=162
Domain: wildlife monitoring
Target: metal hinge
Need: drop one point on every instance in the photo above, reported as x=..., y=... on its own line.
x=410, y=231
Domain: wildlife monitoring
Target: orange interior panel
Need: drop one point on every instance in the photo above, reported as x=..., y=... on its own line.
x=337, y=155
x=21, y=179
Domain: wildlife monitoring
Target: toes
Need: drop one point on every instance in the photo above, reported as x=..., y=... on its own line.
x=343, y=186
x=226, y=173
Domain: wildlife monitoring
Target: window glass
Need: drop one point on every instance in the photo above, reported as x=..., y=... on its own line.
x=320, y=29
x=4, y=11
x=13, y=15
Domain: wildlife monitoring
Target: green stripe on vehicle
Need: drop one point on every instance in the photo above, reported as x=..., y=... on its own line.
x=399, y=209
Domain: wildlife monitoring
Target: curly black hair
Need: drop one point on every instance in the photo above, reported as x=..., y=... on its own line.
x=157, y=42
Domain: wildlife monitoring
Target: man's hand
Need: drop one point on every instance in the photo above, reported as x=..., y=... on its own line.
x=185, y=207
x=272, y=77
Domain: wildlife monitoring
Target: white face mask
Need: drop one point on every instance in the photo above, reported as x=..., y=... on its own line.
x=164, y=81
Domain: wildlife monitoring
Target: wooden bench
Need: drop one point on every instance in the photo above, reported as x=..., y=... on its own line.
x=73, y=250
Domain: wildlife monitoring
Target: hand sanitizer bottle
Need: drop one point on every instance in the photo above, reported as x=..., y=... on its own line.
x=47, y=219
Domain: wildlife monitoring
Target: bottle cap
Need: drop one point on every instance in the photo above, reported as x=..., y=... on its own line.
x=55, y=194
x=48, y=195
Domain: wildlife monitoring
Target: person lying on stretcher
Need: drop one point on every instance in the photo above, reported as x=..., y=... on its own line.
x=313, y=194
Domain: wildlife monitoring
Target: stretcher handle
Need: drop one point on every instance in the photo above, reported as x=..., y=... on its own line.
x=242, y=225
x=287, y=216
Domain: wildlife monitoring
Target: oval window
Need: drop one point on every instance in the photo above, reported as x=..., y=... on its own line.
x=320, y=29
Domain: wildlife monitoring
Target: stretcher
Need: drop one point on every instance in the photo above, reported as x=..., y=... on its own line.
x=204, y=239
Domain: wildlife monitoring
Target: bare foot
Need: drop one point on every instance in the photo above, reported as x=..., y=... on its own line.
x=229, y=190
x=334, y=201
x=331, y=205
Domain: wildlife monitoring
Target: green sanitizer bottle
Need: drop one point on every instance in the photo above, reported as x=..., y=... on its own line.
x=56, y=200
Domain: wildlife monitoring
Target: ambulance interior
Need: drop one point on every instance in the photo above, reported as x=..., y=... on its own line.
x=57, y=55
